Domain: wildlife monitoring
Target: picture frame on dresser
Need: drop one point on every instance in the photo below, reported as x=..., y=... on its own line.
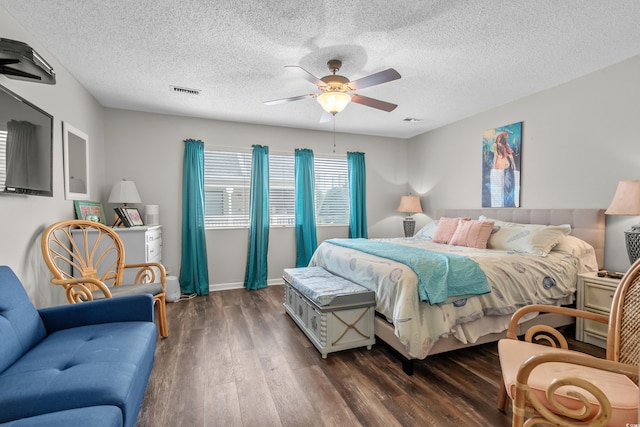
x=135, y=219
x=122, y=220
x=88, y=210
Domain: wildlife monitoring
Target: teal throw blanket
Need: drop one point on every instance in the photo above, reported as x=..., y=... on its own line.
x=442, y=277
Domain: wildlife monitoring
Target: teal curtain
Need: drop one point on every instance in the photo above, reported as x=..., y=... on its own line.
x=357, y=195
x=194, y=273
x=256, y=274
x=306, y=240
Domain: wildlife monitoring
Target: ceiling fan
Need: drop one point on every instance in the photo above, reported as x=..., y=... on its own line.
x=334, y=89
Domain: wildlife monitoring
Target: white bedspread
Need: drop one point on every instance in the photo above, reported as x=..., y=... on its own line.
x=515, y=280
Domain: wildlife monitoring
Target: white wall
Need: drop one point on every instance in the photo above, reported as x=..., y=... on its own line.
x=22, y=218
x=579, y=139
x=148, y=149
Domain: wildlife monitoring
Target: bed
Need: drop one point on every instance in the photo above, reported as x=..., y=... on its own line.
x=417, y=327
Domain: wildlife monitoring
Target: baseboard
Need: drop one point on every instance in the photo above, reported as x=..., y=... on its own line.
x=239, y=285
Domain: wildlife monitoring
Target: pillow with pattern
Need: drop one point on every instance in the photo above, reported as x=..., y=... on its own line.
x=535, y=239
x=581, y=250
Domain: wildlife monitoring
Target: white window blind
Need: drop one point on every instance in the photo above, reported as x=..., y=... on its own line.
x=227, y=178
x=227, y=189
x=332, y=190
x=282, y=196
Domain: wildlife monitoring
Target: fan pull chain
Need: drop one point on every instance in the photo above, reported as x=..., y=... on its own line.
x=334, y=133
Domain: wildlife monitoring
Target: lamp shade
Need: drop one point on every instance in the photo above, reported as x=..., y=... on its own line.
x=626, y=201
x=409, y=204
x=334, y=102
x=124, y=192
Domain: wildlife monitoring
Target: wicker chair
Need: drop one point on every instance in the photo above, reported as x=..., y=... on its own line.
x=87, y=259
x=551, y=385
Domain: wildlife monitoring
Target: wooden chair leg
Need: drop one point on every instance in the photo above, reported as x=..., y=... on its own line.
x=162, y=316
x=503, y=398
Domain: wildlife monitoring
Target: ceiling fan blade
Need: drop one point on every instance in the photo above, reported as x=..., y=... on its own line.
x=373, y=103
x=326, y=117
x=375, y=79
x=306, y=75
x=293, y=98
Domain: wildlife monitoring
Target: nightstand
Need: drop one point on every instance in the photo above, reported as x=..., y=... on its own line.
x=595, y=294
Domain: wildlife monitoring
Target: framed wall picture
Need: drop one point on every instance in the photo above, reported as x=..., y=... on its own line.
x=90, y=211
x=76, y=163
x=134, y=216
x=501, y=155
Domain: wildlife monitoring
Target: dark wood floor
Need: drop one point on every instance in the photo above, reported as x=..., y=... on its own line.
x=235, y=358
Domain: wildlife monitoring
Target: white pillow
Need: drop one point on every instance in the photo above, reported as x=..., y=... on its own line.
x=427, y=231
x=535, y=239
x=581, y=250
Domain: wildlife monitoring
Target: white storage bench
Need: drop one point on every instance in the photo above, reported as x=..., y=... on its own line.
x=335, y=313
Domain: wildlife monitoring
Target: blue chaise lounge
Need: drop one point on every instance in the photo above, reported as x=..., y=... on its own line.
x=74, y=365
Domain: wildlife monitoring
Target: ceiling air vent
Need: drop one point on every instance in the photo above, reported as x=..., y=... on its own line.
x=412, y=120
x=185, y=90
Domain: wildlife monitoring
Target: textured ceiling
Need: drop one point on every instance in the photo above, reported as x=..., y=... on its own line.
x=457, y=58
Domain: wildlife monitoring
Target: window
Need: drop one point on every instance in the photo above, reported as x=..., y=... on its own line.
x=227, y=179
x=332, y=190
x=282, y=195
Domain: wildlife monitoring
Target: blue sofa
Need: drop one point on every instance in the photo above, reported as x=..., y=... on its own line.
x=84, y=364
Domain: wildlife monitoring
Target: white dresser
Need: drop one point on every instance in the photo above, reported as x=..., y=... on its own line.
x=141, y=244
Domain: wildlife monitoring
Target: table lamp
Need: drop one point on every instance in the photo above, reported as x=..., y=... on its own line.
x=626, y=201
x=410, y=205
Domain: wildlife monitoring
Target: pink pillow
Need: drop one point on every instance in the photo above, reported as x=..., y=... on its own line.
x=446, y=228
x=473, y=234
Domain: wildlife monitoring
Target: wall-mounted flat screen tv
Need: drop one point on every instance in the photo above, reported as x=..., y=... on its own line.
x=26, y=147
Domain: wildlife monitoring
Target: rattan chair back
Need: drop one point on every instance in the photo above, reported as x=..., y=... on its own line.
x=624, y=322
x=86, y=249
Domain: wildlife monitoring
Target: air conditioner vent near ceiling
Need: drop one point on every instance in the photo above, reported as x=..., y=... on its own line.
x=19, y=61
x=185, y=90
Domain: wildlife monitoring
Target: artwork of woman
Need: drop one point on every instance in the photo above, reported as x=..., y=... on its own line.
x=502, y=153
x=501, y=166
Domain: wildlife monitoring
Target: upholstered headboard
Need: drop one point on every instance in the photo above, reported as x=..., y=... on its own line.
x=586, y=224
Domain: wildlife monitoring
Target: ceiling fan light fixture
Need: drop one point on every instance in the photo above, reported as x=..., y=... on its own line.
x=334, y=102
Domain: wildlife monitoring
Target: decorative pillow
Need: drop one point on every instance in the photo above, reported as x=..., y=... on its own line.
x=581, y=250
x=473, y=234
x=446, y=228
x=533, y=239
x=427, y=231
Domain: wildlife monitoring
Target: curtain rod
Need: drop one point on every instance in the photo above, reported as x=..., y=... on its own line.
x=211, y=147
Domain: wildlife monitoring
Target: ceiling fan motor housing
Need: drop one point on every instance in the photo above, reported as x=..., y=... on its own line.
x=335, y=82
